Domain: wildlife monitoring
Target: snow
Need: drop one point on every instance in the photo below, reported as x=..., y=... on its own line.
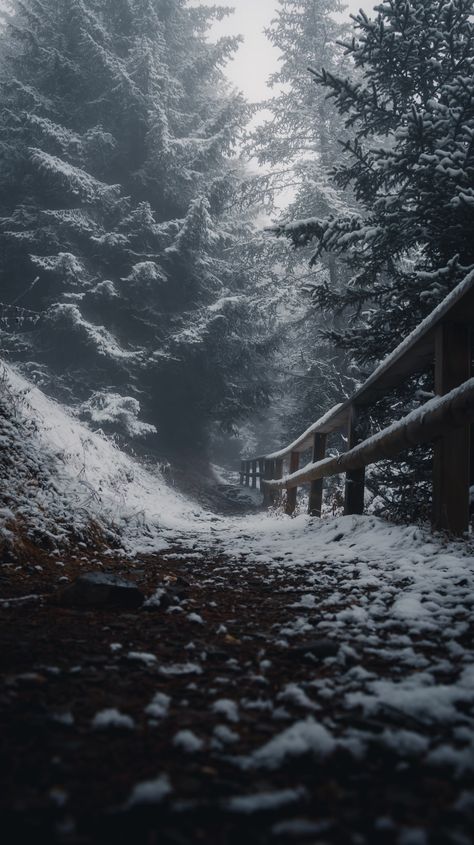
x=438, y=403
x=226, y=707
x=425, y=326
x=419, y=696
x=19, y=600
x=112, y=409
x=187, y=741
x=262, y=801
x=461, y=760
x=305, y=439
x=177, y=669
x=159, y=706
x=142, y=657
x=68, y=317
x=155, y=599
x=194, y=617
x=293, y=694
x=150, y=791
x=409, y=607
x=308, y=602
x=78, y=182
x=396, y=601
x=63, y=264
x=296, y=828
x=91, y=480
x=303, y=737
x=225, y=735
x=145, y=274
x=112, y=718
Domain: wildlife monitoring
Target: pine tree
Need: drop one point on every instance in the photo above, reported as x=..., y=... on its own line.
x=117, y=173
x=409, y=159
x=410, y=162
x=298, y=143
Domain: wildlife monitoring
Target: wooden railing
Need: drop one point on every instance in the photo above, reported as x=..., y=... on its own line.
x=443, y=339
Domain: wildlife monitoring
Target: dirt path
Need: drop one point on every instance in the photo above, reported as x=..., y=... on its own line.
x=65, y=781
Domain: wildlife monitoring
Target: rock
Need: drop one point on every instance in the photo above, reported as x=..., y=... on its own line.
x=30, y=679
x=217, y=654
x=318, y=648
x=100, y=590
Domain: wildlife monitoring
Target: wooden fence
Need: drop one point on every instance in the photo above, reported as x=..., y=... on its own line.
x=442, y=340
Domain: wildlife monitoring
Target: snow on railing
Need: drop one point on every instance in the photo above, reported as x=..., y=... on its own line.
x=442, y=339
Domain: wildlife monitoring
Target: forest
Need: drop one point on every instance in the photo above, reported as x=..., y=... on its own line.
x=236, y=422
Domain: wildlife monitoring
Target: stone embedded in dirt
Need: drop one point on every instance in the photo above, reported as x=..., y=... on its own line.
x=28, y=679
x=318, y=648
x=100, y=590
x=217, y=654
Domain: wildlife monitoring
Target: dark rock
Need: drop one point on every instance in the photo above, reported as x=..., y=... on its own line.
x=217, y=654
x=318, y=648
x=100, y=590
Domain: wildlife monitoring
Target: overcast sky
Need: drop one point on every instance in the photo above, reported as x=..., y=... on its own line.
x=256, y=58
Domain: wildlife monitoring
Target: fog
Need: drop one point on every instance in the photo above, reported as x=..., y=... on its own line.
x=256, y=59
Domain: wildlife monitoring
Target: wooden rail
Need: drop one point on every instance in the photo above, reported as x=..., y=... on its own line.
x=442, y=340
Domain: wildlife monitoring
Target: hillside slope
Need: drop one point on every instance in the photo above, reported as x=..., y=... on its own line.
x=63, y=483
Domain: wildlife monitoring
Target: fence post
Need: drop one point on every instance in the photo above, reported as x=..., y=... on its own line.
x=316, y=490
x=270, y=475
x=242, y=471
x=254, y=474
x=261, y=472
x=267, y=473
x=277, y=473
x=292, y=494
x=247, y=476
x=451, y=460
x=355, y=479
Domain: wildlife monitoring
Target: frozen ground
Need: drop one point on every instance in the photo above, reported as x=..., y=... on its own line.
x=346, y=639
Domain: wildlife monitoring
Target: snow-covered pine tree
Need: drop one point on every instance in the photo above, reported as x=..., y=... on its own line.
x=116, y=170
x=299, y=139
x=297, y=145
x=410, y=162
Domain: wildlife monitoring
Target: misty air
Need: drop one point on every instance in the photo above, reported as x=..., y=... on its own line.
x=236, y=422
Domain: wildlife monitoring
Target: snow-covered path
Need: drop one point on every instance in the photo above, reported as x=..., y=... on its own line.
x=318, y=680
x=398, y=603
x=290, y=672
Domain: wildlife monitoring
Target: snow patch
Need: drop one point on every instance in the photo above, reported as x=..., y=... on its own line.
x=159, y=706
x=112, y=718
x=303, y=737
x=181, y=669
x=150, y=791
x=187, y=741
x=262, y=801
x=228, y=708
